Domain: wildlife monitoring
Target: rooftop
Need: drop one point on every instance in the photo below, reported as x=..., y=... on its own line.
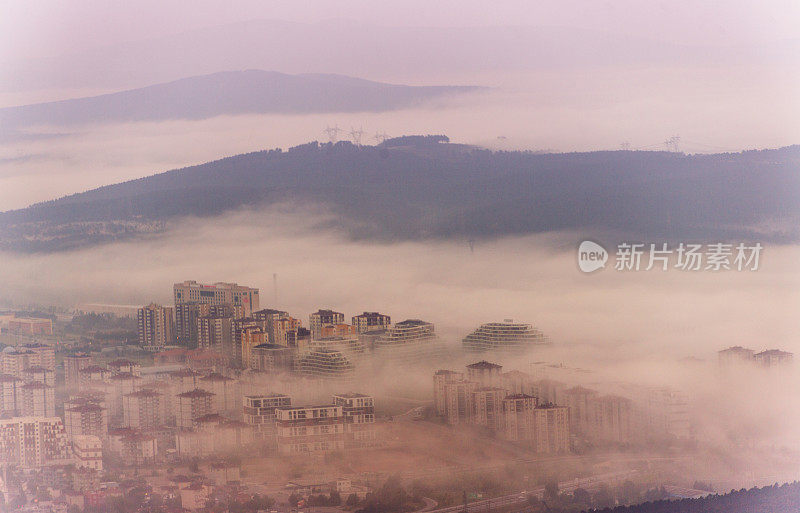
x=216, y=376
x=774, y=352
x=483, y=364
x=412, y=322
x=86, y=408
x=122, y=362
x=520, y=396
x=326, y=312
x=270, y=346
x=197, y=392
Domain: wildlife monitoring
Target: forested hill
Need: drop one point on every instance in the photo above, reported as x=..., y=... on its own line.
x=229, y=93
x=417, y=187
x=770, y=499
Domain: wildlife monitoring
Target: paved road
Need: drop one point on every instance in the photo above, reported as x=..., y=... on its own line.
x=430, y=505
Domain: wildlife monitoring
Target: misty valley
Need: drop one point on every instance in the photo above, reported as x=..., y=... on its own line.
x=399, y=257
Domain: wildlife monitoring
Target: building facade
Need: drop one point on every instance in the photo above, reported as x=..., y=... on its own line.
x=304, y=429
x=504, y=336
x=155, y=327
x=31, y=442
x=371, y=321
x=321, y=318
x=244, y=299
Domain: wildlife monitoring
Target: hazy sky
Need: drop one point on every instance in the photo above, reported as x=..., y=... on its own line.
x=50, y=27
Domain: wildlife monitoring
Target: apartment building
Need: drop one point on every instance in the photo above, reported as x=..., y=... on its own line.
x=215, y=332
x=9, y=395
x=460, y=402
x=15, y=360
x=39, y=375
x=486, y=373
x=32, y=442
x=326, y=363
x=359, y=414
x=321, y=318
x=582, y=403
x=504, y=336
x=143, y=410
x=304, y=429
x=88, y=452
x=36, y=399
x=250, y=337
x=441, y=378
x=545, y=427
x=488, y=407
x=338, y=330
x=227, y=392
x=258, y=411
x=192, y=405
x=83, y=416
x=273, y=358
x=155, y=327
x=284, y=330
x=773, y=358
x=371, y=321
x=410, y=342
x=73, y=365
x=30, y=326
x=735, y=355
x=244, y=299
x=350, y=345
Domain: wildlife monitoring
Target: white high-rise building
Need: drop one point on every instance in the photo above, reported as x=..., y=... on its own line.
x=504, y=336
x=31, y=442
x=243, y=299
x=410, y=341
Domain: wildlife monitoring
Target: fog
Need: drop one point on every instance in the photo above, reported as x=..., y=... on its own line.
x=609, y=329
x=535, y=279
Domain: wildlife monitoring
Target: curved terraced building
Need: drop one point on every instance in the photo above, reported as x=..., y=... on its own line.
x=504, y=336
x=410, y=342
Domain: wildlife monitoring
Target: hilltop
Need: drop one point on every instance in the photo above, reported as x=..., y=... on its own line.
x=415, y=188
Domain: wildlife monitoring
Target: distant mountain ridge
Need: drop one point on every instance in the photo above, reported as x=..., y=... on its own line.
x=229, y=93
x=425, y=188
x=382, y=50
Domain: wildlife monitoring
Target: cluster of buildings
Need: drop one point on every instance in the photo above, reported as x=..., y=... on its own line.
x=551, y=416
x=226, y=318
x=738, y=355
x=163, y=412
x=485, y=396
x=10, y=322
x=27, y=381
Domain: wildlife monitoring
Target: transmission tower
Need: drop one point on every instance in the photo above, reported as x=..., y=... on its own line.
x=673, y=143
x=356, y=135
x=333, y=133
x=380, y=137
